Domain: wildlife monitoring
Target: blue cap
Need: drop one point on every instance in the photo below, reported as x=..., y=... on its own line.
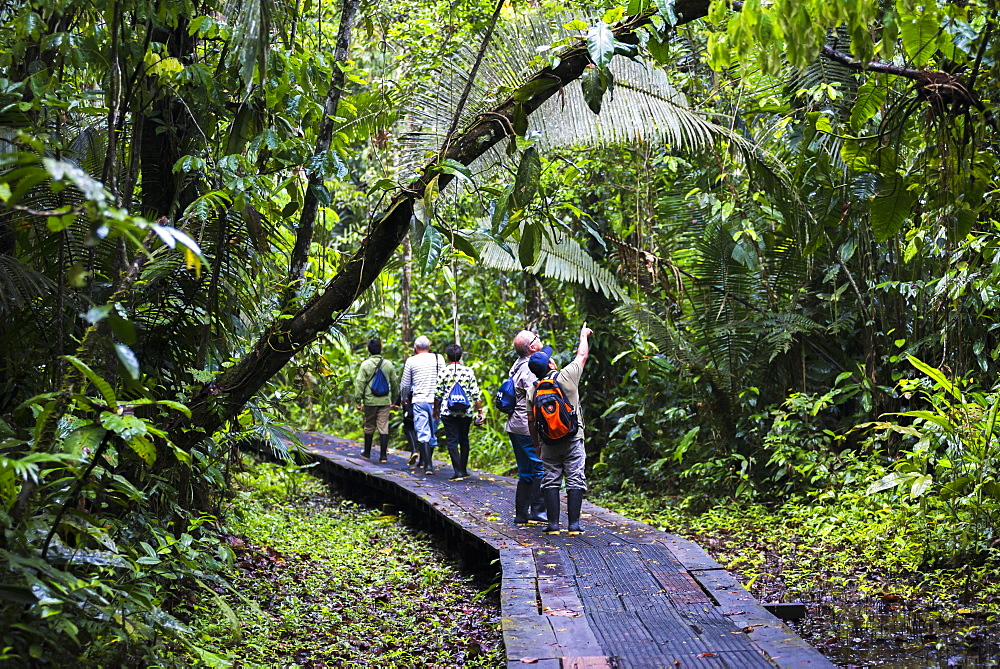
x=538, y=363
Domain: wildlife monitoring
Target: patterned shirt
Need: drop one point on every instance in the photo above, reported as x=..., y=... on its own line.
x=452, y=373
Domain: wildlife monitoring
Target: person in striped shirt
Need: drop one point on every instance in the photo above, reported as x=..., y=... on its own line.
x=457, y=418
x=419, y=382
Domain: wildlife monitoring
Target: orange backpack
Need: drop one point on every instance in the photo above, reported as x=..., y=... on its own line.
x=555, y=418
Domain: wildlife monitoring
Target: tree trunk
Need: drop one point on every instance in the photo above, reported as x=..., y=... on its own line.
x=303, y=235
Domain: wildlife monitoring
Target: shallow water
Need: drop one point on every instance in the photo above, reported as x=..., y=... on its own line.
x=872, y=633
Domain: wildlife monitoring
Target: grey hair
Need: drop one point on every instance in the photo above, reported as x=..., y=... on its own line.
x=521, y=341
x=422, y=343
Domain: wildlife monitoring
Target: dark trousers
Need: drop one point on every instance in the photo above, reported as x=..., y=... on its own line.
x=456, y=434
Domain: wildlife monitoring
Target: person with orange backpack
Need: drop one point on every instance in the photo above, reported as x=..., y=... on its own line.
x=556, y=426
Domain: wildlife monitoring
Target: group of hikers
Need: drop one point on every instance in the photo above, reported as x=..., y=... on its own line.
x=541, y=401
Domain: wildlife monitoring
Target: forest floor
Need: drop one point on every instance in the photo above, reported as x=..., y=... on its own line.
x=321, y=582
x=869, y=600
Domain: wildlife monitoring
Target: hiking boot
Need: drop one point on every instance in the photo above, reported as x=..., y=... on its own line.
x=383, y=446
x=412, y=460
x=367, y=453
x=574, y=500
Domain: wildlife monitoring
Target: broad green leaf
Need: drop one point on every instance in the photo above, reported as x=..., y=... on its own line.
x=102, y=386
x=921, y=484
x=430, y=248
x=499, y=213
x=129, y=360
x=170, y=404
x=86, y=437
x=519, y=120
x=455, y=168
x=465, y=246
x=125, y=427
x=143, y=447
x=532, y=88
x=526, y=183
x=953, y=489
x=891, y=207
x=601, y=44
x=530, y=244
x=122, y=328
x=430, y=197
x=666, y=10
x=936, y=374
x=871, y=97
x=888, y=481
x=920, y=35
x=595, y=83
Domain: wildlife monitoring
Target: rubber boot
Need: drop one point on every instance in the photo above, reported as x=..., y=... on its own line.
x=551, y=496
x=464, y=457
x=414, y=448
x=522, y=502
x=536, y=508
x=421, y=450
x=574, y=500
x=383, y=446
x=456, y=463
x=428, y=458
x=367, y=453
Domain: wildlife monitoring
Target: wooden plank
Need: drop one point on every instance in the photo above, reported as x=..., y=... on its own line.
x=599, y=662
x=782, y=645
x=519, y=597
x=574, y=634
x=529, y=636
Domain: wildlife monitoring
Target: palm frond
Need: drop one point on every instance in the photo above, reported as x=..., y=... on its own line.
x=644, y=106
x=564, y=260
x=21, y=286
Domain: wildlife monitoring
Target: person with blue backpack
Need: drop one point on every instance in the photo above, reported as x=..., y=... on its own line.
x=511, y=400
x=457, y=394
x=375, y=385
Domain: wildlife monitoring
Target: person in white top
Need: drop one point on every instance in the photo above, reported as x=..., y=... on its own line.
x=419, y=383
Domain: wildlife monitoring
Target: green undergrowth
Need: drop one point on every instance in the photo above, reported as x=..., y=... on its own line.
x=321, y=581
x=826, y=547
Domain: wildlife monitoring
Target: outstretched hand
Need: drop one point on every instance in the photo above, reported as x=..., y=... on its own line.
x=585, y=331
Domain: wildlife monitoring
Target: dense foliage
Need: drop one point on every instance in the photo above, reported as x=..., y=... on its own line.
x=779, y=219
x=322, y=581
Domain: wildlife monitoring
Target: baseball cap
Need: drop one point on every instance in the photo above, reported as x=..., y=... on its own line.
x=538, y=363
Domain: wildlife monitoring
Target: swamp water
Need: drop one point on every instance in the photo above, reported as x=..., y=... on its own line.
x=869, y=633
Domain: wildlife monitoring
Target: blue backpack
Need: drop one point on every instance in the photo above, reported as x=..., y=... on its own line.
x=379, y=384
x=505, y=400
x=458, y=401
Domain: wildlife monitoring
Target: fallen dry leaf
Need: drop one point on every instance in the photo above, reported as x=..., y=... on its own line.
x=565, y=613
x=708, y=655
x=529, y=660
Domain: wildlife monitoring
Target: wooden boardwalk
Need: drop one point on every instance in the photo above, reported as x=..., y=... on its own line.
x=621, y=595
